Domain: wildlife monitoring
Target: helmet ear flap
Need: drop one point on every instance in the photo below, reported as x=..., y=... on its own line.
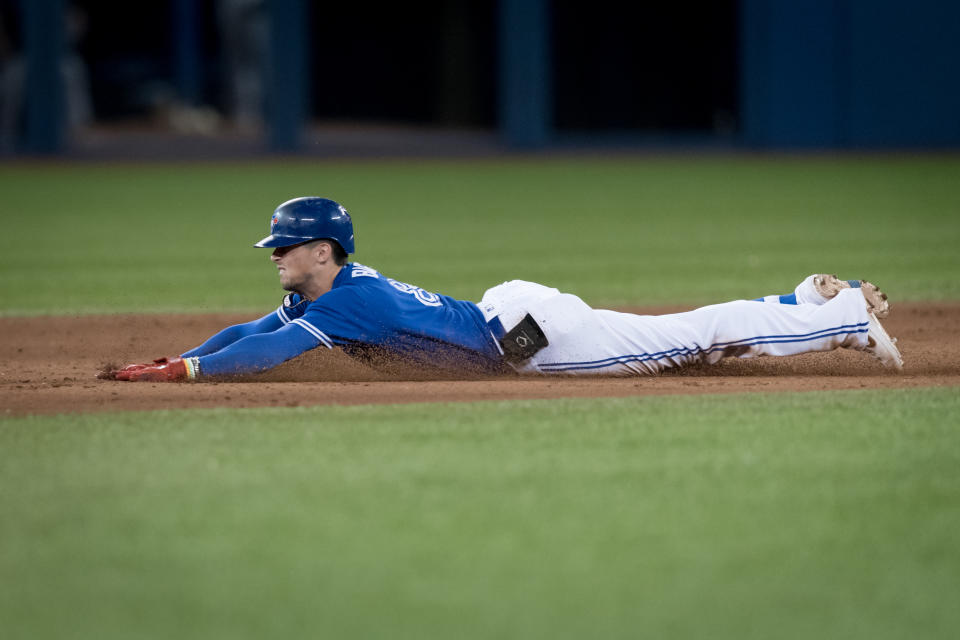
x=310, y=218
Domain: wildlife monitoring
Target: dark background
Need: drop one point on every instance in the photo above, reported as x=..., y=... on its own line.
x=617, y=65
x=749, y=73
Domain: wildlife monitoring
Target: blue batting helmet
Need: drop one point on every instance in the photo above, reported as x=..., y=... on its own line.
x=304, y=219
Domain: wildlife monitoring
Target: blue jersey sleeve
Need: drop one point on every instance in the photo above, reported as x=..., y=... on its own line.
x=292, y=307
x=269, y=322
x=259, y=352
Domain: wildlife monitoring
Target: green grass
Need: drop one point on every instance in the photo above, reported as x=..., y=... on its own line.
x=754, y=516
x=771, y=516
x=631, y=230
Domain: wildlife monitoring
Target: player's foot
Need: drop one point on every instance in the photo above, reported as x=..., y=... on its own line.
x=881, y=346
x=829, y=286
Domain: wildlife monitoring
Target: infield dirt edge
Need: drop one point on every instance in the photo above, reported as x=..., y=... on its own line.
x=53, y=363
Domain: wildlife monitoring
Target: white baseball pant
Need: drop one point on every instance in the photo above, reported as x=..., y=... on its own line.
x=587, y=341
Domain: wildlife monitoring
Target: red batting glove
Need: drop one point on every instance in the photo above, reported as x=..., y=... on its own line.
x=138, y=367
x=165, y=370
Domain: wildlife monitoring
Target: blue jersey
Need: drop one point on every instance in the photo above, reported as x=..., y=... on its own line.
x=363, y=311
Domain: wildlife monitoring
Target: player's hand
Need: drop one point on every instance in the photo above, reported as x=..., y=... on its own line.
x=110, y=373
x=163, y=370
x=137, y=367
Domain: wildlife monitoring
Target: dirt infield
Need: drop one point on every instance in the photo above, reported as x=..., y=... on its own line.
x=50, y=366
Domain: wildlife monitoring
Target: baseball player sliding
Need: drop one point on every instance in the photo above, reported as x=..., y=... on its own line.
x=517, y=326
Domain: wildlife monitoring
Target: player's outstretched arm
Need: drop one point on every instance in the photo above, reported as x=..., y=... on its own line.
x=266, y=324
x=258, y=352
x=226, y=337
x=158, y=369
x=252, y=354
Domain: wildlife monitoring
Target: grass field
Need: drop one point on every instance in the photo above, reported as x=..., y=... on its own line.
x=747, y=516
x=788, y=516
x=614, y=231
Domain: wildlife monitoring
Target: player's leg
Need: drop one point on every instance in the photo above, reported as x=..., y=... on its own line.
x=585, y=341
x=613, y=343
x=818, y=288
x=745, y=329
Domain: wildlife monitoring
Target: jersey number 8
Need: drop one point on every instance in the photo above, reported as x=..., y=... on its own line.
x=422, y=296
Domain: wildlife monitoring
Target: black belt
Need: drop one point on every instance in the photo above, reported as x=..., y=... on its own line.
x=521, y=342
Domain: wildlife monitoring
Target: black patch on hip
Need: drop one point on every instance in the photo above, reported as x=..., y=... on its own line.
x=523, y=341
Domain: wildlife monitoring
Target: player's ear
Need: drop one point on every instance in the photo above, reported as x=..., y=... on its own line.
x=323, y=250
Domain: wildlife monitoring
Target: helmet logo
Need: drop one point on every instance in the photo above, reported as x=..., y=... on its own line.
x=274, y=219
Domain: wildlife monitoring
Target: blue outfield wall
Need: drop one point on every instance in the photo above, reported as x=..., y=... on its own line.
x=525, y=73
x=856, y=74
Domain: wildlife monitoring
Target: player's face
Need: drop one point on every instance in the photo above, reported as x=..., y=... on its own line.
x=294, y=264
